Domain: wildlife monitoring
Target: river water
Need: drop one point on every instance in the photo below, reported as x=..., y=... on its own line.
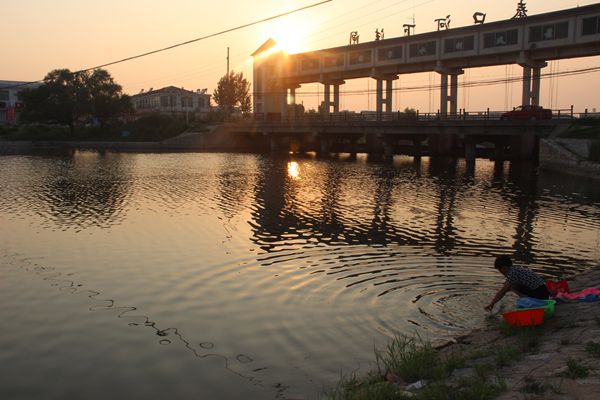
x=226, y=276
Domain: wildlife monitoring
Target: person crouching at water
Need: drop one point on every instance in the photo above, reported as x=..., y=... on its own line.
x=518, y=279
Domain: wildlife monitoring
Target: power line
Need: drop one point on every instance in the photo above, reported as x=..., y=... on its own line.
x=470, y=84
x=325, y=26
x=186, y=42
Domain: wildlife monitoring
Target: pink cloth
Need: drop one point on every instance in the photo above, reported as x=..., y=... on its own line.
x=578, y=295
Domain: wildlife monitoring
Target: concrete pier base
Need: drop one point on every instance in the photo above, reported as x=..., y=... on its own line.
x=441, y=145
x=523, y=147
x=324, y=146
x=470, y=150
x=388, y=149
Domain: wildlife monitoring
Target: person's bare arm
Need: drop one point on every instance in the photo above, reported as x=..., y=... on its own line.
x=503, y=290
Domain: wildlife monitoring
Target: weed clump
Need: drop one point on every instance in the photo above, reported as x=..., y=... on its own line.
x=411, y=358
x=575, y=370
x=593, y=348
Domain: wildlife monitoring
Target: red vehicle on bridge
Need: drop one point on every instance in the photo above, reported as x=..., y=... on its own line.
x=528, y=112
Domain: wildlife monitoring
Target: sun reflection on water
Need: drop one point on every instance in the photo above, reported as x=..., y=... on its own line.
x=293, y=170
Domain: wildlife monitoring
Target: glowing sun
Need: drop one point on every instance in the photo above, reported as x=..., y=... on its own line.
x=290, y=34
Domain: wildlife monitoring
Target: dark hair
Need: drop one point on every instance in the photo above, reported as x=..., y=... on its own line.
x=502, y=261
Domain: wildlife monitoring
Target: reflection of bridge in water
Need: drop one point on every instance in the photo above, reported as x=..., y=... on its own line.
x=529, y=42
x=281, y=215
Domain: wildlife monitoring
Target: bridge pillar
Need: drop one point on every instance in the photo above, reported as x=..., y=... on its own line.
x=446, y=98
x=535, y=87
x=526, y=100
x=274, y=144
x=328, y=102
x=444, y=95
x=292, y=101
x=388, y=148
x=324, y=145
x=336, y=98
x=523, y=146
x=417, y=148
x=380, y=99
x=389, y=85
x=284, y=106
x=470, y=153
x=441, y=144
x=453, y=94
x=531, y=85
x=499, y=144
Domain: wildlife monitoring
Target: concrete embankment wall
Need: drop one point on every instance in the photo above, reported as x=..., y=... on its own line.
x=217, y=138
x=556, y=157
x=20, y=147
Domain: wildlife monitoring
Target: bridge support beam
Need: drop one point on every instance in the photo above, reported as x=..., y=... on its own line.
x=532, y=71
x=523, y=146
x=441, y=144
x=328, y=102
x=324, y=146
x=284, y=106
x=276, y=144
x=454, y=94
x=535, y=87
x=452, y=97
x=470, y=153
x=380, y=99
x=499, y=145
x=291, y=102
x=389, y=86
x=444, y=94
x=526, y=99
x=388, y=148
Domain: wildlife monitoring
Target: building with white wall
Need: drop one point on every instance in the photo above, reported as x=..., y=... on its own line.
x=172, y=100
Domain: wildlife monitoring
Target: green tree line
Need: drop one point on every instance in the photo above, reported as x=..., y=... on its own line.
x=70, y=98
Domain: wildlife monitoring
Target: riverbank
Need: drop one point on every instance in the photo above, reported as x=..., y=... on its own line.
x=560, y=359
x=214, y=138
x=557, y=157
x=555, y=361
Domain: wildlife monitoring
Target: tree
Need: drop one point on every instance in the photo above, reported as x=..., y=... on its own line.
x=106, y=99
x=70, y=97
x=233, y=90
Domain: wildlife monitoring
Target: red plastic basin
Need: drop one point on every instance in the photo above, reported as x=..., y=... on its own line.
x=526, y=317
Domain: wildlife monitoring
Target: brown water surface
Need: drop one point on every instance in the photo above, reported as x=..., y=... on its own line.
x=246, y=276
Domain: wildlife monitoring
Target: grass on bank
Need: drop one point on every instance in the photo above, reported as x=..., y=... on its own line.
x=411, y=359
x=593, y=348
x=576, y=370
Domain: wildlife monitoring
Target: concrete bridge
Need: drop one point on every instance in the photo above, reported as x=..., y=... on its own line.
x=396, y=133
x=528, y=41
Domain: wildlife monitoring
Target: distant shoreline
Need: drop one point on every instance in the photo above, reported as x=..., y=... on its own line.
x=25, y=147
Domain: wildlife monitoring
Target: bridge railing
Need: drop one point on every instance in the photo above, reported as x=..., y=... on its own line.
x=367, y=116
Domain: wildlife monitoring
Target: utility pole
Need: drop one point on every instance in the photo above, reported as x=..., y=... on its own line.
x=228, y=63
x=227, y=80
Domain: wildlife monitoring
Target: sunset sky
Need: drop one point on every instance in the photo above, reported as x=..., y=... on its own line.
x=41, y=35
